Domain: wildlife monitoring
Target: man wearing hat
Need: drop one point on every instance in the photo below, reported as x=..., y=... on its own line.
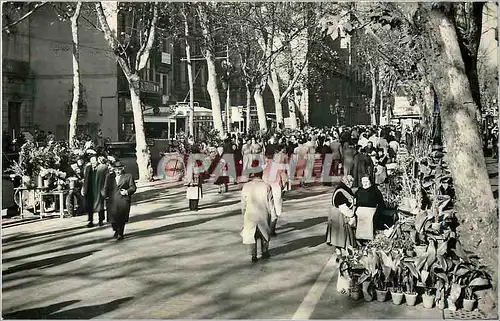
x=118, y=191
x=257, y=206
x=94, y=178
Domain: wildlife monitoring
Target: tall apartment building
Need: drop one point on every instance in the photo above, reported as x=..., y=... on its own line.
x=38, y=78
x=342, y=95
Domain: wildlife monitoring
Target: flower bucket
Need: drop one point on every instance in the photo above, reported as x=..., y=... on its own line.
x=428, y=301
x=381, y=295
x=469, y=304
x=397, y=298
x=355, y=294
x=46, y=183
x=72, y=183
x=411, y=299
x=39, y=182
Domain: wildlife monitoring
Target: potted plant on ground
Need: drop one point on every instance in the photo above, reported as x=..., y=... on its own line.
x=397, y=284
x=472, y=276
x=409, y=280
x=369, y=262
x=382, y=277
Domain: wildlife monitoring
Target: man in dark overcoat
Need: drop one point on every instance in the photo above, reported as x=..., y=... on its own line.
x=119, y=188
x=94, y=178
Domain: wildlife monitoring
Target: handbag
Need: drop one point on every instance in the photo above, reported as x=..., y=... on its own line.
x=193, y=193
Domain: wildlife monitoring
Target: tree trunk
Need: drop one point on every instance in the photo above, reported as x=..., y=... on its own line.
x=383, y=107
x=249, y=103
x=373, y=100
x=214, y=92
x=261, y=112
x=141, y=147
x=73, y=121
x=275, y=89
x=476, y=204
x=292, y=107
x=228, y=107
x=190, y=72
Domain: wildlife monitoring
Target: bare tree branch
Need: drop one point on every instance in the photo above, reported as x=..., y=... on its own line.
x=143, y=55
x=12, y=24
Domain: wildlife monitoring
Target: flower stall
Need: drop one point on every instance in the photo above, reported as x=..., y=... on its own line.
x=421, y=254
x=45, y=168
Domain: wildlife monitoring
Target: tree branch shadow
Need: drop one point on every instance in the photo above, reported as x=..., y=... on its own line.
x=50, y=312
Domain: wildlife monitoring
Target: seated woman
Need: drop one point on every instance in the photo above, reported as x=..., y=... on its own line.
x=368, y=195
x=341, y=221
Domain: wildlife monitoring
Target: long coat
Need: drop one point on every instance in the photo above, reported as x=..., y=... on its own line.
x=348, y=160
x=118, y=205
x=93, y=187
x=257, y=207
x=339, y=232
x=363, y=165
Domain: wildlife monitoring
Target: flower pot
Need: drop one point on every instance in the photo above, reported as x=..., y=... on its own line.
x=428, y=301
x=367, y=292
x=381, y=295
x=39, y=182
x=72, y=183
x=46, y=183
x=355, y=294
x=397, y=298
x=411, y=299
x=469, y=304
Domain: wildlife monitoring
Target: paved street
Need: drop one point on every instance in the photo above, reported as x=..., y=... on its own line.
x=177, y=264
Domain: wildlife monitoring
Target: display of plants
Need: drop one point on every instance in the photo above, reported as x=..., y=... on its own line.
x=421, y=254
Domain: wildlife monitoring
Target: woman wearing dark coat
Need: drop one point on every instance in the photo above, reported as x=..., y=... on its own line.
x=363, y=165
x=368, y=195
x=341, y=223
x=118, y=190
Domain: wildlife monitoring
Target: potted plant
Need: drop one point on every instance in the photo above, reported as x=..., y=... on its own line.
x=397, y=288
x=469, y=300
x=369, y=262
x=409, y=280
x=471, y=276
x=382, y=276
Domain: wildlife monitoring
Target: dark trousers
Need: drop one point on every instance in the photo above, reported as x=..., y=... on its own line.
x=263, y=244
x=193, y=205
x=119, y=228
x=101, y=216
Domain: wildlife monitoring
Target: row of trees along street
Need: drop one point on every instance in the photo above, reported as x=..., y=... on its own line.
x=430, y=48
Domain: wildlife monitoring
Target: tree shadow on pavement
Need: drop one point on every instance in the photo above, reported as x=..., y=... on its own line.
x=26, y=236
x=294, y=195
x=48, y=263
x=39, y=313
x=311, y=241
x=85, y=312
x=302, y=225
x=180, y=225
x=217, y=205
